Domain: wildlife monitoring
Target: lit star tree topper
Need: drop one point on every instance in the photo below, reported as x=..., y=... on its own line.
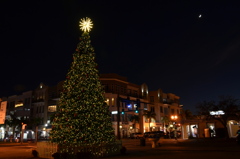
x=85, y=24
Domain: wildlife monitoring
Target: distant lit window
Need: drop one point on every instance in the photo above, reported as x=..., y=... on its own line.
x=52, y=108
x=18, y=105
x=113, y=102
x=129, y=106
x=107, y=101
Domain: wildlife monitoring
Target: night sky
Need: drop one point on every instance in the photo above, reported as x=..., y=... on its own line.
x=164, y=44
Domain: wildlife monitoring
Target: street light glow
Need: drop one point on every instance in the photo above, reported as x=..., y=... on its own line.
x=174, y=117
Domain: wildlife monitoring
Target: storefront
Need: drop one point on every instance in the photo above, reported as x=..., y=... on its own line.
x=233, y=126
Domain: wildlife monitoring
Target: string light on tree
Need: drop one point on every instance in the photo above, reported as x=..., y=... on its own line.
x=85, y=24
x=83, y=117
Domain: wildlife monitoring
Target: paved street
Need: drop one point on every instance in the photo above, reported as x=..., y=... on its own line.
x=16, y=150
x=168, y=149
x=172, y=149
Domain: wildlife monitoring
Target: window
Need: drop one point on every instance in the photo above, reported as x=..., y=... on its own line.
x=106, y=87
x=129, y=91
x=107, y=101
x=112, y=87
x=129, y=106
x=122, y=90
x=151, y=99
x=52, y=108
x=122, y=117
x=113, y=102
x=145, y=106
x=161, y=109
x=166, y=111
x=172, y=111
x=152, y=109
x=25, y=101
x=113, y=117
x=117, y=88
x=135, y=93
x=129, y=116
x=18, y=104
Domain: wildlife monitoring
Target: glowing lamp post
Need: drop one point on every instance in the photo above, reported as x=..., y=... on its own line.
x=174, y=117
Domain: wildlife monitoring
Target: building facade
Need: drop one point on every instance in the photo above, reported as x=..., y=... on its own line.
x=127, y=103
x=131, y=100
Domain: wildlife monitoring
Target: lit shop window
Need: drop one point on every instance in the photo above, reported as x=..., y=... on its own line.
x=113, y=102
x=107, y=101
x=18, y=105
x=52, y=108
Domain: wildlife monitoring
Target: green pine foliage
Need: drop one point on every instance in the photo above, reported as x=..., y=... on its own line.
x=83, y=117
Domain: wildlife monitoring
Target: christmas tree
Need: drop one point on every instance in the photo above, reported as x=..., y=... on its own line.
x=83, y=117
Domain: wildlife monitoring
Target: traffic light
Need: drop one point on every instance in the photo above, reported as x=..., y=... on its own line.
x=123, y=111
x=136, y=111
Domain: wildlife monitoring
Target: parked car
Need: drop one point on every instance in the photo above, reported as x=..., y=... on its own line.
x=154, y=134
x=171, y=134
x=136, y=135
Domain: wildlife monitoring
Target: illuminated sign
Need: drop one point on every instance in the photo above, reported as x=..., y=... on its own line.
x=18, y=105
x=219, y=112
x=114, y=112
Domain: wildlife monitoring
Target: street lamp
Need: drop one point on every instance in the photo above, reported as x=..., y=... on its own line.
x=174, y=118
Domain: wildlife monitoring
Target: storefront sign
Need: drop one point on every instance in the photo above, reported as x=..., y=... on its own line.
x=219, y=112
x=114, y=112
